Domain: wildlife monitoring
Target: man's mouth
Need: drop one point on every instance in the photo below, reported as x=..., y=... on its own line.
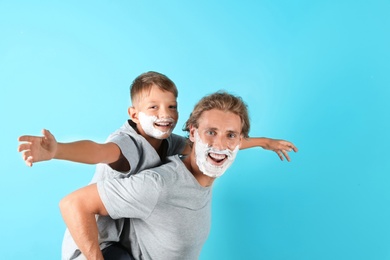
x=217, y=158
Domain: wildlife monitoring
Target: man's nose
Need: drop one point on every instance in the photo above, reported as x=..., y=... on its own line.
x=219, y=143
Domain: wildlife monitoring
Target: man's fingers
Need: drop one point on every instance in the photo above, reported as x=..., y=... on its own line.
x=286, y=155
x=279, y=153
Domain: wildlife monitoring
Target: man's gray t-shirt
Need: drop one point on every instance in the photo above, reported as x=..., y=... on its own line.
x=140, y=155
x=169, y=211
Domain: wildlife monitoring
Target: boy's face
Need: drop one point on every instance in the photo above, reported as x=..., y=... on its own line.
x=216, y=141
x=155, y=113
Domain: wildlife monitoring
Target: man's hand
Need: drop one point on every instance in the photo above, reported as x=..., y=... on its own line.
x=37, y=148
x=280, y=147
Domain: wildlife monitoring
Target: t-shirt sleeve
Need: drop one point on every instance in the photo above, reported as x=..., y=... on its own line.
x=132, y=197
x=130, y=148
x=177, y=144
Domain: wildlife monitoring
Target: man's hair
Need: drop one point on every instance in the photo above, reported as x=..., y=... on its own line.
x=145, y=81
x=223, y=101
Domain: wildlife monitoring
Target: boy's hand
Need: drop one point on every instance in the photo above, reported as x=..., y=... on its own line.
x=280, y=147
x=37, y=148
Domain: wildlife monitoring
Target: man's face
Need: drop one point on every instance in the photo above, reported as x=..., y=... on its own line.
x=156, y=112
x=216, y=141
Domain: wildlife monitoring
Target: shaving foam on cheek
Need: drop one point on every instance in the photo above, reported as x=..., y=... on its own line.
x=202, y=151
x=147, y=123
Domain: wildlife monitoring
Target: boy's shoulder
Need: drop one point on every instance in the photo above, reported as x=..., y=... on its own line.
x=127, y=129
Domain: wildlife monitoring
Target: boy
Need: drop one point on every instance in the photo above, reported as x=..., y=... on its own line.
x=141, y=143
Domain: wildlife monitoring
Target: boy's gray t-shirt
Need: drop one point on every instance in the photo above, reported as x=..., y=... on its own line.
x=169, y=211
x=140, y=155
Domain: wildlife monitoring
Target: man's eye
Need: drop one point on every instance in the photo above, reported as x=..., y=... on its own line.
x=210, y=132
x=232, y=136
x=173, y=107
x=152, y=107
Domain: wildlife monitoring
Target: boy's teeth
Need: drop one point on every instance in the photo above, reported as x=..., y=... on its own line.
x=162, y=124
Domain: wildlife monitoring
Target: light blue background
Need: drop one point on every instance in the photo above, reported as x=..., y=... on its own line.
x=313, y=72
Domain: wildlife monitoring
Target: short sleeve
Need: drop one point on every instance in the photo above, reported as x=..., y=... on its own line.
x=129, y=148
x=132, y=197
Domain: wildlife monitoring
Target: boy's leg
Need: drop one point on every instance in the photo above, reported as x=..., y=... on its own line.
x=116, y=252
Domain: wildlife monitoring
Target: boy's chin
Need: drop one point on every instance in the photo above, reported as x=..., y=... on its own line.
x=161, y=137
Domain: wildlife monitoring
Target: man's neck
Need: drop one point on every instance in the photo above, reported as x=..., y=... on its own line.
x=202, y=179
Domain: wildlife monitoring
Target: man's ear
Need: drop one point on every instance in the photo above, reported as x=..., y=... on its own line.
x=133, y=114
x=191, y=134
x=240, y=143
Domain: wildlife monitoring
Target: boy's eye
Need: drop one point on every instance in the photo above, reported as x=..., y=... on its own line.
x=152, y=107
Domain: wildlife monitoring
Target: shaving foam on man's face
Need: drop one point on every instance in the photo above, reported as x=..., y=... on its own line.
x=212, y=162
x=159, y=128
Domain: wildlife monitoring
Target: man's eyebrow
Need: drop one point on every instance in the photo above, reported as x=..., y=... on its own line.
x=211, y=128
x=232, y=132
x=227, y=131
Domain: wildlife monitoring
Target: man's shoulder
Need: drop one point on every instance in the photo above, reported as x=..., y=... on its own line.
x=171, y=164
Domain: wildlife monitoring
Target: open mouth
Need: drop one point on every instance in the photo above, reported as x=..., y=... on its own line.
x=217, y=158
x=163, y=124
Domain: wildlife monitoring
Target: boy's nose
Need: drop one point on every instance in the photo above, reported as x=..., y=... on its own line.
x=164, y=113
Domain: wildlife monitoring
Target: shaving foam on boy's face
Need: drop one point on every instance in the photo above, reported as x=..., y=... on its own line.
x=150, y=123
x=212, y=162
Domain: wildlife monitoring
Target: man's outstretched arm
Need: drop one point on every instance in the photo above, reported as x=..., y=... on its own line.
x=280, y=147
x=78, y=210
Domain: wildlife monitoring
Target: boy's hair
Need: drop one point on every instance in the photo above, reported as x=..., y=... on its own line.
x=223, y=101
x=145, y=81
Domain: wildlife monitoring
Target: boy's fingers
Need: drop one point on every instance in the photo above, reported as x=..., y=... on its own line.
x=26, y=154
x=26, y=138
x=29, y=161
x=24, y=146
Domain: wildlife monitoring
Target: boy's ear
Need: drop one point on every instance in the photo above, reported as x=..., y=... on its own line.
x=133, y=113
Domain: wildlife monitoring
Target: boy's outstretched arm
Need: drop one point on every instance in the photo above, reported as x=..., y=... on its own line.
x=46, y=147
x=78, y=210
x=280, y=147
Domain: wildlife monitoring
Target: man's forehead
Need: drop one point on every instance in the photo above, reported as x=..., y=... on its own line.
x=220, y=120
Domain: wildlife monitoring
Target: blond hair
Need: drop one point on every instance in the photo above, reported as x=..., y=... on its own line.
x=223, y=101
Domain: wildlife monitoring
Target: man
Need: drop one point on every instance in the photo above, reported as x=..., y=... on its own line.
x=169, y=206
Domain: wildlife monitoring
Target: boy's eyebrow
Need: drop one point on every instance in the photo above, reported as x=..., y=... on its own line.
x=158, y=101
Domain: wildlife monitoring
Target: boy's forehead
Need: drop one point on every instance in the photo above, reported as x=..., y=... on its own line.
x=154, y=93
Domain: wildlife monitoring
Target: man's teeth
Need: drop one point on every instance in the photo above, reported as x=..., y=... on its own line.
x=217, y=156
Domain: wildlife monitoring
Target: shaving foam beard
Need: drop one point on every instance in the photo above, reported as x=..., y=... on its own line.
x=147, y=124
x=202, y=151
